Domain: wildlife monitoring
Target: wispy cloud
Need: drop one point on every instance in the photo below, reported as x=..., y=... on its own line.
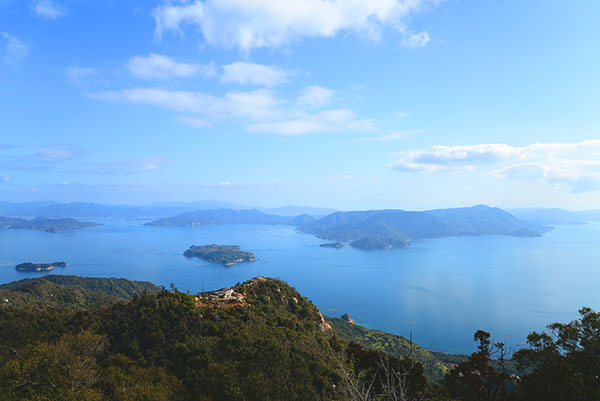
x=80, y=76
x=266, y=23
x=52, y=155
x=38, y=160
x=14, y=50
x=250, y=73
x=260, y=110
x=4, y=178
x=158, y=66
x=416, y=40
x=257, y=104
x=314, y=96
x=573, y=165
x=326, y=121
x=47, y=9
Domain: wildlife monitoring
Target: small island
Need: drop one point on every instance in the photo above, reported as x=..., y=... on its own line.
x=336, y=245
x=226, y=255
x=368, y=243
x=39, y=267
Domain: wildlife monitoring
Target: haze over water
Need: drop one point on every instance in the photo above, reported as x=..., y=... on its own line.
x=441, y=289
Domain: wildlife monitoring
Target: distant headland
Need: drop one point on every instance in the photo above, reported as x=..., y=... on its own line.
x=45, y=224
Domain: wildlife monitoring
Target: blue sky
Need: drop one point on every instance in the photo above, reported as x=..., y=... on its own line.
x=350, y=104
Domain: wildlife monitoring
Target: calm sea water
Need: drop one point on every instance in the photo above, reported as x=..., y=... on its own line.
x=442, y=290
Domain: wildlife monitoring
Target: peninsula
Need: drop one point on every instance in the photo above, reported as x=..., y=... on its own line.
x=45, y=224
x=226, y=255
x=39, y=267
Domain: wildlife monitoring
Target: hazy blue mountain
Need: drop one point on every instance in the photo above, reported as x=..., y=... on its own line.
x=395, y=227
x=292, y=210
x=198, y=205
x=43, y=223
x=555, y=215
x=153, y=210
x=221, y=216
x=91, y=210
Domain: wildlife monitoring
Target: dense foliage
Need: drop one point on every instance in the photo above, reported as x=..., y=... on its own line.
x=434, y=367
x=564, y=363
x=69, y=338
x=167, y=346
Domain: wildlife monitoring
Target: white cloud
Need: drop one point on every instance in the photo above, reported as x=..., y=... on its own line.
x=257, y=104
x=260, y=111
x=314, y=96
x=325, y=121
x=575, y=166
x=4, y=178
x=14, y=50
x=266, y=23
x=47, y=9
x=401, y=115
x=250, y=73
x=416, y=40
x=157, y=66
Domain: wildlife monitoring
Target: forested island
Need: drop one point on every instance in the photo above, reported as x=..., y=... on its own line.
x=45, y=224
x=39, y=267
x=74, y=338
x=383, y=229
x=226, y=255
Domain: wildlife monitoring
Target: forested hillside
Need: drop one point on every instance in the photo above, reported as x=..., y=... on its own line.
x=71, y=338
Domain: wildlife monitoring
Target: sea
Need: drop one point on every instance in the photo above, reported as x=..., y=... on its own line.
x=437, y=291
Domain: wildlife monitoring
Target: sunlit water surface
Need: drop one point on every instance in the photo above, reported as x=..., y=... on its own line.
x=442, y=289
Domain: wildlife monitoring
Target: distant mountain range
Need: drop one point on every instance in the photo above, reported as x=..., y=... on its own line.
x=374, y=229
x=382, y=228
x=555, y=216
x=154, y=210
x=229, y=216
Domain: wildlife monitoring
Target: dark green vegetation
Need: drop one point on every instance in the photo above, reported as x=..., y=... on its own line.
x=70, y=338
x=564, y=362
x=43, y=223
x=39, y=267
x=433, y=366
x=226, y=255
x=395, y=227
x=228, y=216
x=70, y=292
x=166, y=346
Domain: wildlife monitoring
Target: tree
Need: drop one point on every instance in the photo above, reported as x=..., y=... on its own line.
x=475, y=379
x=564, y=363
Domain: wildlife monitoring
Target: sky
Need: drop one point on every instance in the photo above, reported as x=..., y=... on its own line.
x=349, y=104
